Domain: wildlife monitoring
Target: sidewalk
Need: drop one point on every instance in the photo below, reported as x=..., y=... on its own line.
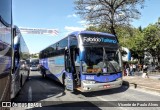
x=152, y=83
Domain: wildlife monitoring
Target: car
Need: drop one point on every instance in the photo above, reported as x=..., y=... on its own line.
x=34, y=64
x=34, y=68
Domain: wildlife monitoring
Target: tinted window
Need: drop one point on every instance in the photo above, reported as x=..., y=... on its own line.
x=55, y=49
x=5, y=11
x=63, y=43
x=97, y=58
x=73, y=41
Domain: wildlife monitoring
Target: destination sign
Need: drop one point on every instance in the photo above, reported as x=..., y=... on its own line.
x=97, y=39
x=90, y=39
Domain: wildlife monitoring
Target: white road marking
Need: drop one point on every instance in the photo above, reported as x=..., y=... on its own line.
x=30, y=94
x=102, y=99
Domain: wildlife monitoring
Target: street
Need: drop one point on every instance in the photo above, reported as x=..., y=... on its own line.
x=49, y=92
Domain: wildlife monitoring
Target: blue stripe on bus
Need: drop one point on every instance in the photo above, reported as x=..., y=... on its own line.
x=101, y=78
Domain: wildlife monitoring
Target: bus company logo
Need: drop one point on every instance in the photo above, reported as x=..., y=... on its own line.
x=96, y=40
x=109, y=40
x=88, y=39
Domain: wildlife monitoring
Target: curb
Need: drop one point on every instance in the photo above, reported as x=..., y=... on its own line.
x=138, y=86
x=154, y=78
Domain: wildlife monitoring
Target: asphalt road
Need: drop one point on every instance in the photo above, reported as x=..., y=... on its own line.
x=53, y=96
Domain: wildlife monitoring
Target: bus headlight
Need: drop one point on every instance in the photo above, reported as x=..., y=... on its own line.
x=89, y=82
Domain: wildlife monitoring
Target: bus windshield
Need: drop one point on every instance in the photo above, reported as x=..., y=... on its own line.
x=100, y=60
x=34, y=61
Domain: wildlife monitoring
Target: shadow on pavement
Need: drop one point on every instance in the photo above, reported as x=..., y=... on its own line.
x=38, y=88
x=126, y=83
x=103, y=92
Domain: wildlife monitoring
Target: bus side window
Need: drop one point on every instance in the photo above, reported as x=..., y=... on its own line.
x=77, y=58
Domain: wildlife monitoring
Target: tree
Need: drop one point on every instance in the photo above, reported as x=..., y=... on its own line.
x=152, y=40
x=131, y=38
x=98, y=29
x=108, y=13
x=36, y=55
x=135, y=44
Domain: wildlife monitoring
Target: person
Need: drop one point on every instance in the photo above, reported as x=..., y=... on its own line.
x=139, y=67
x=124, y=71
x=131, y=69
x=134, y=68
x=127, y=69
x=145, y=71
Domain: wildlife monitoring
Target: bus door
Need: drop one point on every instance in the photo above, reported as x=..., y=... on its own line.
x=69, y=77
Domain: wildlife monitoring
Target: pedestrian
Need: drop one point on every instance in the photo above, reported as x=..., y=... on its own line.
x=137, y=68
x=131, y=69
x=134, y=68
x=127, y=69
x=145, y=71
x=140, y=67
x=124, y=70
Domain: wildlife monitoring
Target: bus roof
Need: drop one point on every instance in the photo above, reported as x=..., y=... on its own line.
x=76, y=33
x=90, y=32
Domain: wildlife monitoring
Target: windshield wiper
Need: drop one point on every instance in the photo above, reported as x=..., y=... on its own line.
x=104, y=55
x=113, y=68
x=105, y=59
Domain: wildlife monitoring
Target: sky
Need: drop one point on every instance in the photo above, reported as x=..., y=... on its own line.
x=60, y=15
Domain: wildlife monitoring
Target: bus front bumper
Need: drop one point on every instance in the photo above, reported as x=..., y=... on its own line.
x=87, y=87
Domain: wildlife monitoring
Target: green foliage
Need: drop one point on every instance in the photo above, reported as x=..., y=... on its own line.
x=151, y=37
x=132, y=62
x=98, y=29
x=34, y=55
x=138, y=40
x=152, y=40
